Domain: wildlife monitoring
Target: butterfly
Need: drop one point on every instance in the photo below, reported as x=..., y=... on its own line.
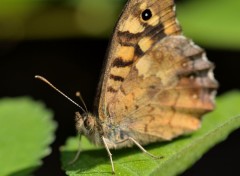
x=156, y=84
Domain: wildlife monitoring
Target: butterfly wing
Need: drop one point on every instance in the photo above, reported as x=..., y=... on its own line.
x=166, y=92
x=156, y=83
x=132, y=38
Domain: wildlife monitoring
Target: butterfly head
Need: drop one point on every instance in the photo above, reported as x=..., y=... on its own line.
x=87, y=125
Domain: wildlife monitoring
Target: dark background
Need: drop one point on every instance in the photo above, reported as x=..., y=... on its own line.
x=75, y=65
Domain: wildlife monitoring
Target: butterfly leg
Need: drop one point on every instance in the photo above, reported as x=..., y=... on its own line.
x=144, y=151
x=109, y=153
x=77, y=154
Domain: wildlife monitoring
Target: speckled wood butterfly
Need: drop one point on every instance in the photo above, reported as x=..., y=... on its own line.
x=156, y=84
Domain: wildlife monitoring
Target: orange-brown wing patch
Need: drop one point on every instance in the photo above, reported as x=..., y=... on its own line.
x=166, y=92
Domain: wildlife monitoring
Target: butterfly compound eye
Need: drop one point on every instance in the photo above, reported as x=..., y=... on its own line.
x=86, y=124
x=146, y=14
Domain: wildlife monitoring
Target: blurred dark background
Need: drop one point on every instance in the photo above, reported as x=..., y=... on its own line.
x=73, y=63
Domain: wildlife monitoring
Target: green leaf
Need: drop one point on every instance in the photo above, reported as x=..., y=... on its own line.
x=26, y=130
x=211, y=23
x=178, y=154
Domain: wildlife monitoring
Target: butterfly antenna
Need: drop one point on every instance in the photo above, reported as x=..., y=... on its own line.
x=51, y=85
x=78, y=94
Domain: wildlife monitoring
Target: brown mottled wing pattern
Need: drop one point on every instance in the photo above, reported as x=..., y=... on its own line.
x=132, y=38
x=166, y=92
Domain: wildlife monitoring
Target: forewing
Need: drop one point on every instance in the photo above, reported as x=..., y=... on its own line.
x=132, y=38
x=166, y=91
